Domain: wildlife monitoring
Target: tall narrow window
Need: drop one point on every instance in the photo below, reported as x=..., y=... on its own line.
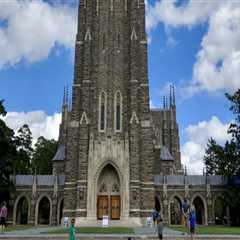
x=104, y=42
x=102, y=111
x=118, y=111
x=118, y=40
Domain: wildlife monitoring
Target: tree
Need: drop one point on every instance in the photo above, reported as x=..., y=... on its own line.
x=234, y=128
x=23, y=141
x=222, y=160
x=43, y=154
x=7, y=153
x=225, y=160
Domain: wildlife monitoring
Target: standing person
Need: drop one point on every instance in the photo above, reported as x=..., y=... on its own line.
x=72, y=230
x=160, y=226
x=3, y=216
x=154, y=216
x=185, y=212
x=192, y=221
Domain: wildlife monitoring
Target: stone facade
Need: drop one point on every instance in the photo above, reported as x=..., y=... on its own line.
x=202, y=191
x=113, y=149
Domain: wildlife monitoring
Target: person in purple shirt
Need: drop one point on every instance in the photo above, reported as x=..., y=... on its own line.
x=3, y=216
x=192, y=221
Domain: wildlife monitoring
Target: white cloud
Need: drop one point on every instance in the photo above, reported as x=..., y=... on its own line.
x=217, y=65
x=190, y=14
x=39, y=123
x=33, y=28
x=218, y=62
x=197, y=136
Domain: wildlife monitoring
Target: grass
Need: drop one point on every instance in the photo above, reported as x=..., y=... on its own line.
x=211, y=230
x=96, y=230
x=18, y=227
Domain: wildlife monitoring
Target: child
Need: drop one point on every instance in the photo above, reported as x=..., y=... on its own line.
x=160, y=226
x=192, y=222
x=72, y=230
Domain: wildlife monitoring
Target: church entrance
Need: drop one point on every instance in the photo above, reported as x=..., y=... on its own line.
x=108, y=199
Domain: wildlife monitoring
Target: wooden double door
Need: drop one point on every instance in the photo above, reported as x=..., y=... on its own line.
x=110, y=206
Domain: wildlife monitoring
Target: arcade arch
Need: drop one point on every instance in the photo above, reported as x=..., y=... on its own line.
x=175, y=211
x=199, y=209
x=22, y=211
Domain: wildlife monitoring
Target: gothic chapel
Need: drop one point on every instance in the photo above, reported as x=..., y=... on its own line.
x=116, y=156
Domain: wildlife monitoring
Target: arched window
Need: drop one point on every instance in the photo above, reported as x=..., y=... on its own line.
x=102, y=111
x=118, y=111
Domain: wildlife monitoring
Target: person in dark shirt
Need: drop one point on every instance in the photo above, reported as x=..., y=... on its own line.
x=192, y=222
x=160, y=226
x=154, y=216
x=185, y=212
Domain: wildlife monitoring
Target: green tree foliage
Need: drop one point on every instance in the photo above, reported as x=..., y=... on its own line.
x=225, y=160
x=43, y=154
x=7, y=153
x=222, y=160
x=23, y=141
x=234, y=128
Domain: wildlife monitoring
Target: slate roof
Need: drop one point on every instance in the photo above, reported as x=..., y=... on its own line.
x=190, y=180
x=60, y=154
x=165, y=154
x=48, y=180
x=43, y=180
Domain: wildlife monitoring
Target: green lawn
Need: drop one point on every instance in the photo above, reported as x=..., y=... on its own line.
x=96, y=230
x=211, y=229
x=19, y=227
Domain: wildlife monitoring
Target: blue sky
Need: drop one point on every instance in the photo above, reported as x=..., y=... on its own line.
x=186, y=45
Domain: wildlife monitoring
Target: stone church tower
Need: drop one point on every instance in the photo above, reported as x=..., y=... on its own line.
x=111, y=144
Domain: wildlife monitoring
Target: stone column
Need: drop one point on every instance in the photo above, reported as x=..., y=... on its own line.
x=32, y=220
x=210, y=210
x=166, y=203
x=54, y=213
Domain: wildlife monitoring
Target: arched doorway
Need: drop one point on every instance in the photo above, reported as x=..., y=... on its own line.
x=108, y=194
x=44, y=211
x=199, y=208
x=22, y=211
x=157, y=204
x=60, y=216
x=175, y=211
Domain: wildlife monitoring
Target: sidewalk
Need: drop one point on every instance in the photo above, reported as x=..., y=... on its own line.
x=140, y=234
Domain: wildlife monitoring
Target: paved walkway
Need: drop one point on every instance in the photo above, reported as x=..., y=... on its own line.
x=148, y=233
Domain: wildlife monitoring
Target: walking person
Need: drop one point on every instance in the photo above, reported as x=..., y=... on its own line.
x=3, y=216
x=185, y=212
x=154, y=216
x=160, y=226
x=192, y=222
x=72, y=230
